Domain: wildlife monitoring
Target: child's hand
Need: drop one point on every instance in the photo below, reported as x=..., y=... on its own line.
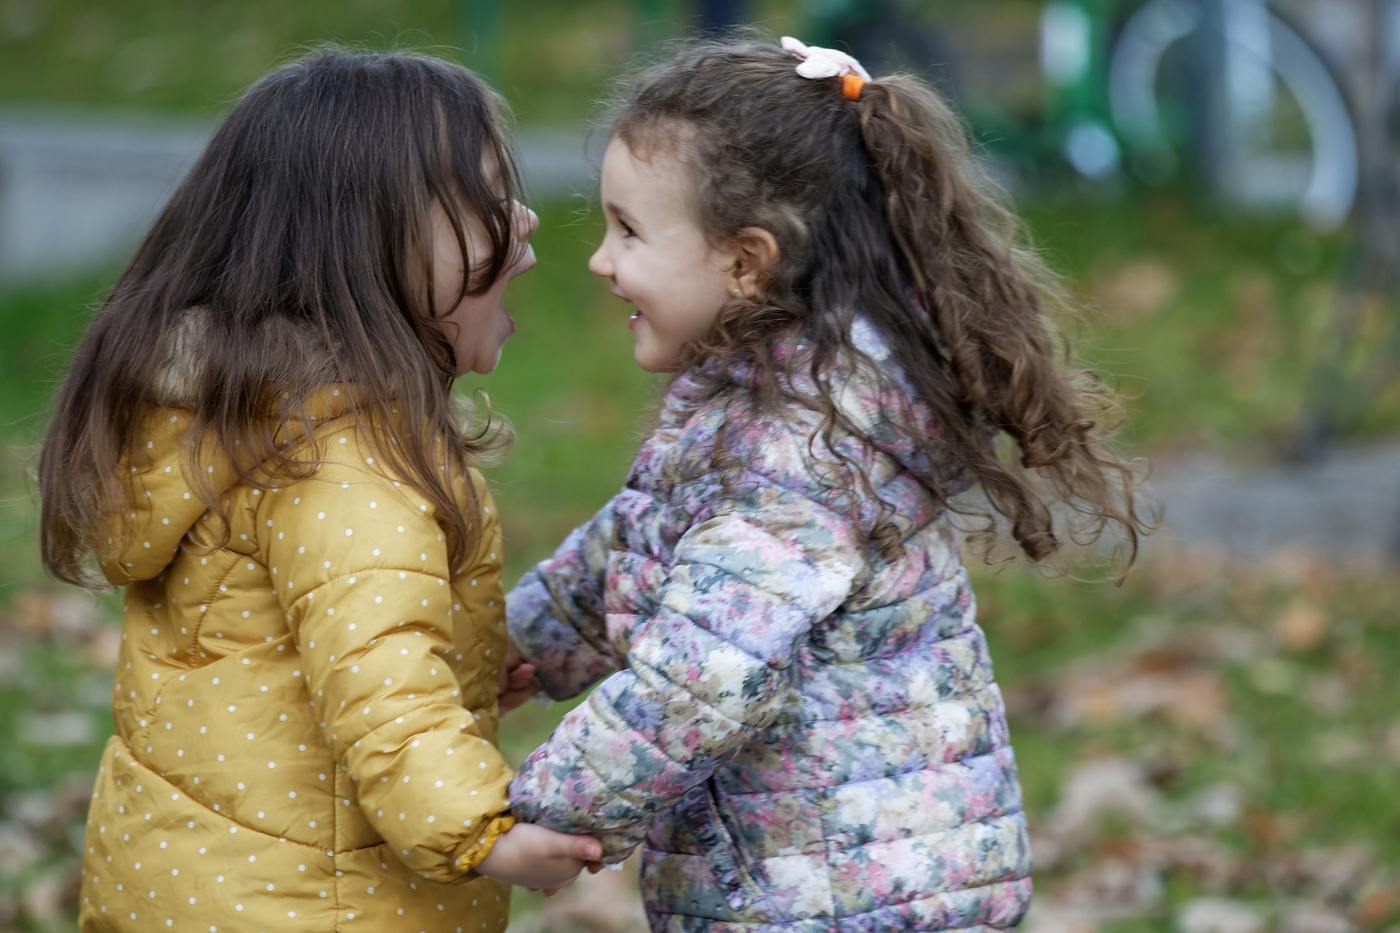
x=517, y=682
x=534, y=857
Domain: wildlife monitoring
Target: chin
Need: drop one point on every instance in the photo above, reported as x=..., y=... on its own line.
x=654, y=359
x=651, y=364
x=487, y=367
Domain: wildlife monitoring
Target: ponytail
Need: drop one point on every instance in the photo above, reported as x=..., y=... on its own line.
x=982, y=301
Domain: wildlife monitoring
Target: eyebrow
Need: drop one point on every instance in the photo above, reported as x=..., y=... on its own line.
x=620, y=214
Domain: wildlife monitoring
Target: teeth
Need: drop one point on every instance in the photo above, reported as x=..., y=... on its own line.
x=635, y=315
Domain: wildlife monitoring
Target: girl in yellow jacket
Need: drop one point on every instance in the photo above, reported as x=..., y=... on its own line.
x=257, y=440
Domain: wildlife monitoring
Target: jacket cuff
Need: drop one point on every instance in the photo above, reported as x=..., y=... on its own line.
x=474, y=852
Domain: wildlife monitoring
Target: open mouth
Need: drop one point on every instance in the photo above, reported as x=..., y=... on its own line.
x=636, y=314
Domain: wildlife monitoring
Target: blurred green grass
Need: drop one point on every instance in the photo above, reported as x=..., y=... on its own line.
x=550, y=57
x=1213, y=325
x=196, y=58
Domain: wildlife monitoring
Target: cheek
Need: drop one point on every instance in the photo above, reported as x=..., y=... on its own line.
x=709, y=295
x=447, y=277
x=463, y=327
x=625, y=270
x=444, y=307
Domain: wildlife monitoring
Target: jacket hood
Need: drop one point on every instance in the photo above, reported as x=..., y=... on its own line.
x=163, y=500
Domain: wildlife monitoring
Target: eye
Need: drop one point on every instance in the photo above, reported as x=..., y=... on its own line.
x=627, y=232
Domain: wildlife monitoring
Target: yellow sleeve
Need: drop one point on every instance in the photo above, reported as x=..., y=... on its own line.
x=483, y=603
x=360, y=566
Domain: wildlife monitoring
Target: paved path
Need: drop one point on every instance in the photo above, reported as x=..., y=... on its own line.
x=80, y=189
x=1345, y=507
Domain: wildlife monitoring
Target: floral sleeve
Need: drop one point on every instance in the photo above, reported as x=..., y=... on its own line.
x=555, y=613
x=711, y=667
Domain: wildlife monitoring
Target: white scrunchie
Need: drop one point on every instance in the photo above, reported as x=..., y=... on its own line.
x=817, y=62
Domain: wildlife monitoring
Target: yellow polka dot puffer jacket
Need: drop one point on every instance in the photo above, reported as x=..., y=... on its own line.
x=305, y=716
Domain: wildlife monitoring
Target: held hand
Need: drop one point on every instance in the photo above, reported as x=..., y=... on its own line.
x=534, y=857
x=517, y=683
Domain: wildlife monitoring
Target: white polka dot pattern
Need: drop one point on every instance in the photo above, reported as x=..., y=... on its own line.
x=306, y=714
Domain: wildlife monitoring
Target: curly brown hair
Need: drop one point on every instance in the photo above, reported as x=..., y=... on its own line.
x=294, y=255
x=878, y=207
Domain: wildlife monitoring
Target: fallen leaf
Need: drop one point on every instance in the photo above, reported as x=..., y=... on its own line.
x=1137, y=288
x=1377, y=904
x=46, y=898
x=1218, y=805
x=1055, y=915
x=1217, y=915
x=1312, y=918
x=1301, y=627
x=51, y=730
x=1342, y=749
x=76, y=616
x=18, y=849
x=1269, y=829
x=1096, y=789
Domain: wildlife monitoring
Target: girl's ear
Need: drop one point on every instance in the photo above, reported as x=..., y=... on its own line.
x=755, y=252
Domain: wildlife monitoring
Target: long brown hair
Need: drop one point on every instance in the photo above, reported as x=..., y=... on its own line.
x=295, y=254
x=879, y=208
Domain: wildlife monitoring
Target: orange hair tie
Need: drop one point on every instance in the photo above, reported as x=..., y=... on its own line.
x=851, y=85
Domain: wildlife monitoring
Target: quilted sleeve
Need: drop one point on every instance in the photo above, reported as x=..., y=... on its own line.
x=555, y=612
x=481, y=608
x=360, y=566
x=707, y=671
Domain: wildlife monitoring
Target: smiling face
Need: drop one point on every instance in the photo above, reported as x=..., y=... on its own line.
x=657, y=257
x=477, y=325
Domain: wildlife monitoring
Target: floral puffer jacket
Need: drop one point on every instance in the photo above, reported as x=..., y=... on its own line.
x=802, y=734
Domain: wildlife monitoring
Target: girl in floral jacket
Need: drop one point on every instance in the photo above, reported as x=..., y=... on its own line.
x=799, y=721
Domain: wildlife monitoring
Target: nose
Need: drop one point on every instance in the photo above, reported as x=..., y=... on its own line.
x=599, y=263
x=526, y=221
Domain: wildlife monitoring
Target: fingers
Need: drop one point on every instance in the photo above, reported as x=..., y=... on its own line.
x=516, y=685
x=560, y=876
x=582, y=849
x=515, y=678
x=516, y=672
x=509, y=701
x=587, y=849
